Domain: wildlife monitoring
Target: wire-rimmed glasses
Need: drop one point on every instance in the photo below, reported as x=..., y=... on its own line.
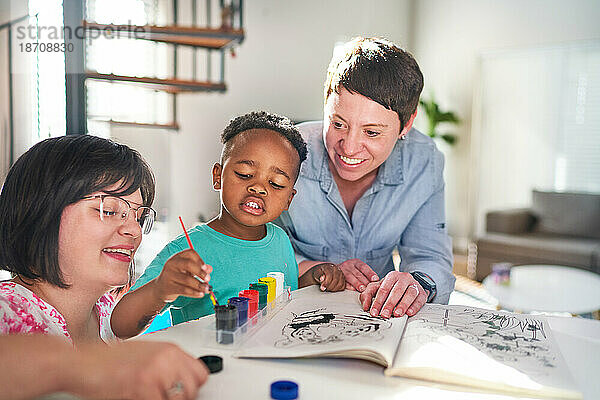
x=115, y=210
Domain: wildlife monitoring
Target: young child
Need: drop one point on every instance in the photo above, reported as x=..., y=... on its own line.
x=259, y=165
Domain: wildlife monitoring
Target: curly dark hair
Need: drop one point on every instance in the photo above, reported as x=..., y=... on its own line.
x=50, y=176
x=264, y=120
x=379, y=70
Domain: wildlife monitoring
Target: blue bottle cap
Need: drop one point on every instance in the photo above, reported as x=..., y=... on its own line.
x=284, y=390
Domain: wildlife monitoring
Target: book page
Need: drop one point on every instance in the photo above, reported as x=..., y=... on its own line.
x=483, y=348
x=322, y=327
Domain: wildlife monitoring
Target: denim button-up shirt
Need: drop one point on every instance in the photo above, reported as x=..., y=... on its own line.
x=403, y=208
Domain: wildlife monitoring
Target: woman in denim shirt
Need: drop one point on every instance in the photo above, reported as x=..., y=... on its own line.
x=363, y=192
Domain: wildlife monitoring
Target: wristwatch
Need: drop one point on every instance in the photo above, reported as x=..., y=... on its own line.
x=426, y=283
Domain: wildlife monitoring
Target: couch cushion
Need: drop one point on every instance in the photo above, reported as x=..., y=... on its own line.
x=512, y=221
x=537, y=248
x=573, y=214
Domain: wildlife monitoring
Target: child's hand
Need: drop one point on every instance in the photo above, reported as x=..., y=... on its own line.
x=178, y=277
x=329, y=276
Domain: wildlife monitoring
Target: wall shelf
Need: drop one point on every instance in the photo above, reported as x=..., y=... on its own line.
x=173, y=126
x=167, y=85
x=204, y=40
x=208, y=38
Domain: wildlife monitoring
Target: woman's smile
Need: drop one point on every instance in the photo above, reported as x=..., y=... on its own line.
x=351, y=161
x=120, y=253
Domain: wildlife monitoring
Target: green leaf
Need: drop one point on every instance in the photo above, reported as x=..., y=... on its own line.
x=450, y=139
x=435, y=116
x=448, y=117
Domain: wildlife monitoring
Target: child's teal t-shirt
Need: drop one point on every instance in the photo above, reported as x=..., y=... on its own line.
x=236, y=264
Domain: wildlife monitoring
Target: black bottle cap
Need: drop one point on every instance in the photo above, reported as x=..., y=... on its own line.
x=213, y=363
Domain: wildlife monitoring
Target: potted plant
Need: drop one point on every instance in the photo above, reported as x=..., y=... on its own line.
x=435, y=116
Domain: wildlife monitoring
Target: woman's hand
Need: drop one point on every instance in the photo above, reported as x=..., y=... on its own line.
x=35, y=364
x=358, y=274
x=329, y=276
x=396, y=293
x=179, y=277
x=136, y=370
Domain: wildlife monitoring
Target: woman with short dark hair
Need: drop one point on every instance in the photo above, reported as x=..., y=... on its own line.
x=372, y=183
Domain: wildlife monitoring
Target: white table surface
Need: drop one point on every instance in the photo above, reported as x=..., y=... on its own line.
x=550, y=288
x=578, y=339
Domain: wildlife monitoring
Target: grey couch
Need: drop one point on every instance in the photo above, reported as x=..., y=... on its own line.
x=559, y=229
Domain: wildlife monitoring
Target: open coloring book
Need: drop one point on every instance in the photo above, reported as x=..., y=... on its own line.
x=453, y=345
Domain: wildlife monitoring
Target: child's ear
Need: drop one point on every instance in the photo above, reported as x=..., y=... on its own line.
x=290, y=199
x=216, y=176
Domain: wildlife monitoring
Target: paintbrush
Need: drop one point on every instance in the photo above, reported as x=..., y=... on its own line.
x=212, y=296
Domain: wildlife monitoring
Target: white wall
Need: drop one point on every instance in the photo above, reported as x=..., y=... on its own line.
x=154, y=145
x=22, y=89
x=4, y=106
x=279, y=67
x=447, y=39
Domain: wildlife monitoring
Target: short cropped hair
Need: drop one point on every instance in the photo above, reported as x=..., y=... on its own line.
x=264, y=120
x=47, y=178
x=376, y=68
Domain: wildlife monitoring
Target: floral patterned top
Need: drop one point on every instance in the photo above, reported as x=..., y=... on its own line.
x=21, y=311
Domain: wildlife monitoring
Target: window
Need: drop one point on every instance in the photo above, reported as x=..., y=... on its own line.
x=577, y=160
x=48, y=98
x=107, y=54
x=535, y=125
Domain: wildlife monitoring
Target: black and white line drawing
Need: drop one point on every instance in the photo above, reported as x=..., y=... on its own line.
x=504, y=337
x=320, y=326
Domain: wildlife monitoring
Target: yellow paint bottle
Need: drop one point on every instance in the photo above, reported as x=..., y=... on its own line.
x=272, y=284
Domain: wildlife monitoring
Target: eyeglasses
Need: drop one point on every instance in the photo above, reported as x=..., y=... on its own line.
x=115, y=210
